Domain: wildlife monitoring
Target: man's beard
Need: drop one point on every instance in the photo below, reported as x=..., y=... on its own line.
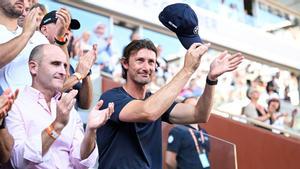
x=9, y=11
x=141, y=81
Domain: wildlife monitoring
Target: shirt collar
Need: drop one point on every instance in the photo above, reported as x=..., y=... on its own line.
x=36, y=94
x=189, y=126
x=18, y=30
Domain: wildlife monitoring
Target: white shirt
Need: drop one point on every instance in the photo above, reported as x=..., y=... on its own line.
x=16, y=73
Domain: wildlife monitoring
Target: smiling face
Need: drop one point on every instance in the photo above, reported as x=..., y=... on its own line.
x=141, y=66
x=49, y=72
x=12, y=8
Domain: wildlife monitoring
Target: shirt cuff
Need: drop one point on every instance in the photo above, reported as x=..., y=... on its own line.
x=92, y=159
x=33, y=150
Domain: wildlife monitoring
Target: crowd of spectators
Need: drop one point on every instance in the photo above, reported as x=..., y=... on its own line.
x=258, y=91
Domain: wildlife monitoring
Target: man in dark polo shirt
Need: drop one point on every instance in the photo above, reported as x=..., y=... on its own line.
x=188, y=145
x=131, y=139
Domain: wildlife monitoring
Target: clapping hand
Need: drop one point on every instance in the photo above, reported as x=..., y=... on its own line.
x=6, y=101
x=224, y=63
x=98, y=118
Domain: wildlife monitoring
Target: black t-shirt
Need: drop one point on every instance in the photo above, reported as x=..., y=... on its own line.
x=124, y=145
x=180, y=141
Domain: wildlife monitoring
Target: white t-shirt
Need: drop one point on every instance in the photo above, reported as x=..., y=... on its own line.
x=16, y=73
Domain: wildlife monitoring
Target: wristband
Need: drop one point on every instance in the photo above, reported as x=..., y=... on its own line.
x=60, y=42
x=2, y=126
x=210, y=82
x=51, y=132
x=61, y=38
x=78, y=76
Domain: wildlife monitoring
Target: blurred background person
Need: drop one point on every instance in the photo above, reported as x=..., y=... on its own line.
x=188, y=145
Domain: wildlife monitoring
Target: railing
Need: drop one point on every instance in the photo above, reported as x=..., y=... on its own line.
x=243, y=119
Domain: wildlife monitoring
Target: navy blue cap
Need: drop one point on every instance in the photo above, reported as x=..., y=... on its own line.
x=182, y=20
x=51, y=18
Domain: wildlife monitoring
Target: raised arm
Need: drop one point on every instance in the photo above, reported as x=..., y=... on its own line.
x=153, y=107
x=64, y=107
x=186, y=114
x=6, y=140
x=96, y=119
x=86, y=93
x=84, y=65
x=12, y=48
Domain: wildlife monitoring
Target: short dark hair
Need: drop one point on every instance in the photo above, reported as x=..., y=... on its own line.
x=132, y=48
x=274, y=100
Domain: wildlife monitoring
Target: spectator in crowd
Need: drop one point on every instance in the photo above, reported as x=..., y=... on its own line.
x=105, y=51
x=24, y=13
x=81, y=45
x=53, y=26
x=47, y=130
x=41, y=8
x=135, y=35
x=274, y=109
x=188, y=145
x=162, y=68
x=135, y=126
x=6, y=140
x=270, y=92
x=277, y=119
x=254, y=110
x=292, y=123
x=294, y=88
x=16, y=43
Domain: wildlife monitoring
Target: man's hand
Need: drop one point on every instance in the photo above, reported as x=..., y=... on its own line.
x=63, y=22
x=224, y=63
x=64, y=106
x=6, y=101
x=98, y=118
x=86, y=61
x=31, y=22
x=193, y=56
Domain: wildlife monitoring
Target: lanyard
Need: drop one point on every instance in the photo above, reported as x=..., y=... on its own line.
x=198, y=148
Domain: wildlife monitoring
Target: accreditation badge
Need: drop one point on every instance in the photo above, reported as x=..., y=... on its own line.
x=204, y=160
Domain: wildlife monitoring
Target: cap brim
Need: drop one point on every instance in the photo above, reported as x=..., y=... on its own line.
x=75, y=24
x=187, y=41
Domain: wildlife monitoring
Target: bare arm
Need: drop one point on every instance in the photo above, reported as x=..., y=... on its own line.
x=171, y=160
x=153, y=107
x=47, y=140
x=6, y=140
x=12, y=48
x=84, y=65
x=201, y=112
x=64, y=107
x=96, y=119
x=86, y=93
x=263, y=117
x=70, y=82
x=6, y=145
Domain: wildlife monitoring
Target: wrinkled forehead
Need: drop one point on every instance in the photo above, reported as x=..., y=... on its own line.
x=144, y=53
